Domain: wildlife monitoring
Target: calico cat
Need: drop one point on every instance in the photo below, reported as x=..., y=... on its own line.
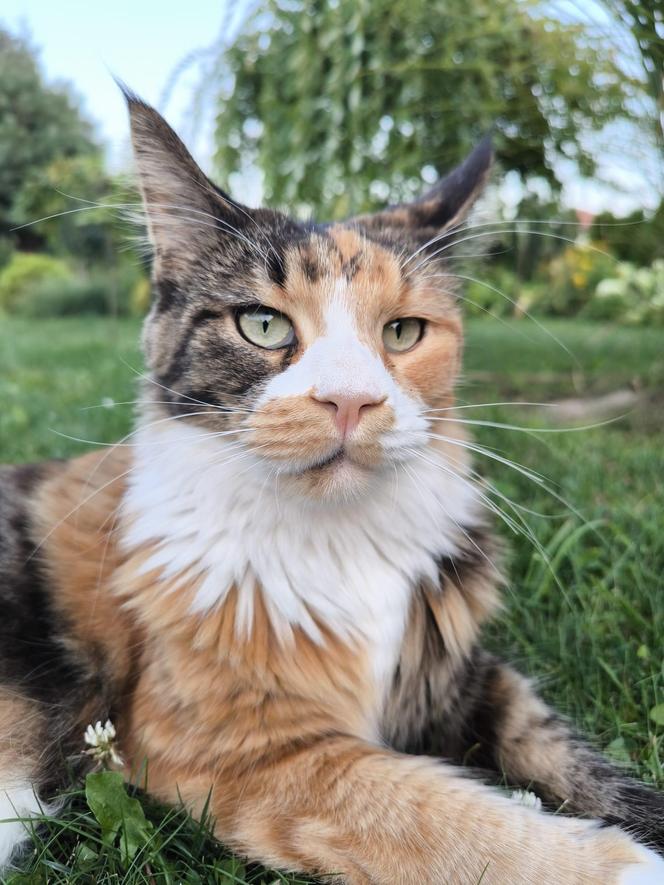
x=275, y=586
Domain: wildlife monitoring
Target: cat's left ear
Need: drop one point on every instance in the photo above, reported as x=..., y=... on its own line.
x=186, y=213
x=448, y=202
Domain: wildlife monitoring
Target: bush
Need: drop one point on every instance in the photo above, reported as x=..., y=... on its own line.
x=573, y=276
x=632, y=295
x=38, y=285
x=24, y=272
x=638, y=238
x=6, y=251
x=495, y=291
x=65, y=298
x=581, y=281
x=101, y=293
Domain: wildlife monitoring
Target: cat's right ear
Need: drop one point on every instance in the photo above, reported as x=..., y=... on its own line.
x=185, y=212
x=445, y=206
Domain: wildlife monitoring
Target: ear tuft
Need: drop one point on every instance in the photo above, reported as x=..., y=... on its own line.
x=127, y=92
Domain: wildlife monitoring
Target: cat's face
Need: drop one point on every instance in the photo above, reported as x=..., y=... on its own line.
x=319, y=348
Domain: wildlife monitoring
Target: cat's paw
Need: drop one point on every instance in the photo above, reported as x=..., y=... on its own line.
x=650, y=870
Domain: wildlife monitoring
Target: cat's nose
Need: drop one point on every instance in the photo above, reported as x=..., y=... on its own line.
x=348, y=409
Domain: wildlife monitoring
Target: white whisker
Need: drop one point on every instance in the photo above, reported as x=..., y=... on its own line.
x=463, y=531
x=530, y=430
x=466, y=239
x=540, y=481
x=451, y=231
x=456, y=408
x=526, y=313
x=116, y=445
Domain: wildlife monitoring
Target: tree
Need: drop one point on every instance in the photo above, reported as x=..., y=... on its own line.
x=645, y=20
x=39, y=125
x=344, y=102
x=638, y=237
x=75, y=202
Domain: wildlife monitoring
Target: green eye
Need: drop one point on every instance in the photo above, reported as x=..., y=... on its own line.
x=266, y=328
x=401, y=335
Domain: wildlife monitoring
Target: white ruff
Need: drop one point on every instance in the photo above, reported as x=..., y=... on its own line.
x=351, y=565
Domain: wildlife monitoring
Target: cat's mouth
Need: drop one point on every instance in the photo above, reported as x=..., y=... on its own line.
x=350, y=459
x=336, y=458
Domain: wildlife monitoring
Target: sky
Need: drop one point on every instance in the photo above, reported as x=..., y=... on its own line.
x=139, y=41
x=143, y=41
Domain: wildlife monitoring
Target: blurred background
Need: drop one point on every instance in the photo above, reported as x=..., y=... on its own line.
x=329, y=107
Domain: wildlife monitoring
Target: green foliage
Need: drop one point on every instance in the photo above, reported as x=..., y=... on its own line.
x=645, y=19
x=573, y=276
x=538, y=233
x=113, y=833
x=638, y=238
x=632, y=295
x=325, y=97
x=66, y=202
x=583, y=279
x=117, y=813
x=38, y=125
x=24, y=272
x=492, y=293
x=55, y=197
x=75, y=296
x=6, y=250
x=109, y=292
x=39, y=285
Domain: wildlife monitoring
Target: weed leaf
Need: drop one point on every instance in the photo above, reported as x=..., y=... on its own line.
x=116, y=812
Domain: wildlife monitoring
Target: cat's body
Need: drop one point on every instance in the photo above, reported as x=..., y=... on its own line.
x=275, y=587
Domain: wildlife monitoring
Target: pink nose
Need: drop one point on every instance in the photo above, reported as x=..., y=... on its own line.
x=349, y=409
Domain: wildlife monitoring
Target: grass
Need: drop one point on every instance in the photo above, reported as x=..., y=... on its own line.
x=585, y=607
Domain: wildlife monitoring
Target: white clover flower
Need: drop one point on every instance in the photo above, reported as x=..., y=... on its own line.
x=525, y=797
x=100, y=739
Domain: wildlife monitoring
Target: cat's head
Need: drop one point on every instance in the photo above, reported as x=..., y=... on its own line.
x=320, y=346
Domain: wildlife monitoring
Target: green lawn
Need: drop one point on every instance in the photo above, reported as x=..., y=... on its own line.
x=585, y=606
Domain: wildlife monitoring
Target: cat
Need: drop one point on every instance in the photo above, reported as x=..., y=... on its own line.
x=275, y=586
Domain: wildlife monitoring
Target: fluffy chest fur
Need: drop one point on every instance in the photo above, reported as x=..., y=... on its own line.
x=214, y=514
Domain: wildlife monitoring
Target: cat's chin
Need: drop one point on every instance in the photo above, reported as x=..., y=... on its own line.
x=337, y=478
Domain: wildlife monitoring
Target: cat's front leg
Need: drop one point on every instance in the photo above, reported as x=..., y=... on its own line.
x=483, y=712
x=531, y=744
x=361, y=814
